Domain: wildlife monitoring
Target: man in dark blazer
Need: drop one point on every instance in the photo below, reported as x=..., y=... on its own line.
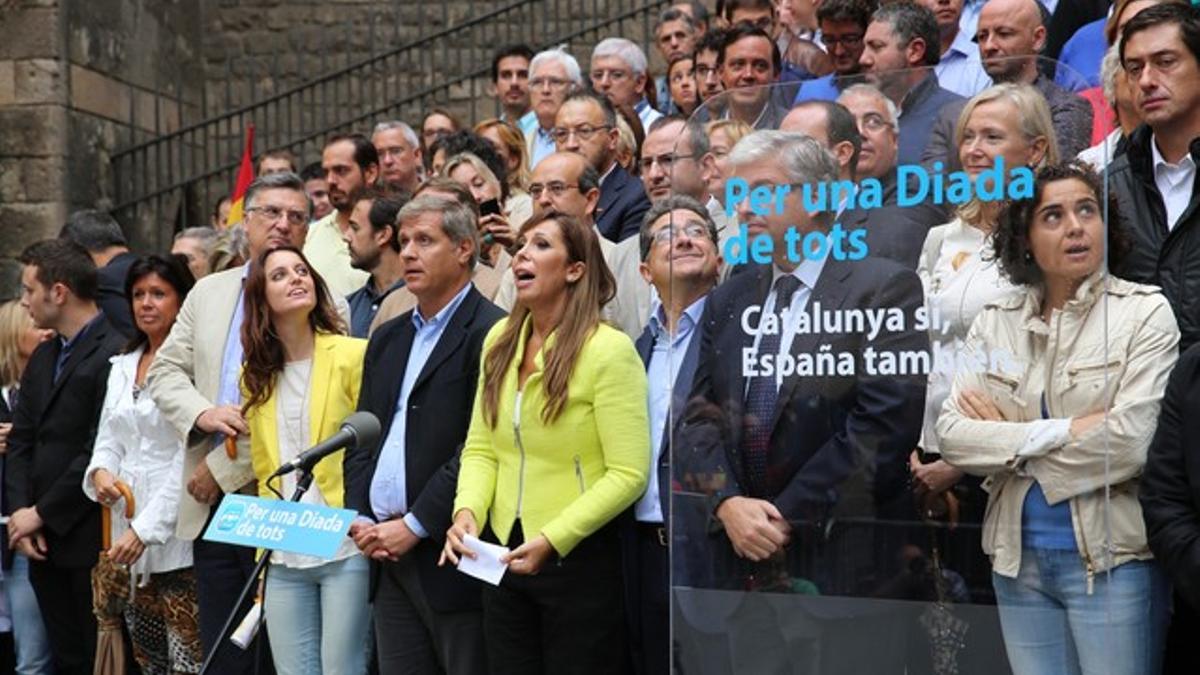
x=786, y=453
x=681, y=259
x=419, y=378
x=99, y=233
x=586, y=124
x=54, y=425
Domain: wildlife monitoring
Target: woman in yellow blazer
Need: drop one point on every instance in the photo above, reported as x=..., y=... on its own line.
x=300, y=380
x=558, y=447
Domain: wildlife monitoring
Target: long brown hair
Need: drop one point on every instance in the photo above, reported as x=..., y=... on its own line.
x=262, y=350
x=585, y=297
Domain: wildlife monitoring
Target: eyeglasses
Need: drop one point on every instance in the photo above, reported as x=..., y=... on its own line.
x=272, y=214
x=849, y=41
x=552, y=82
x=613, y=75
x=394, y=151
x=583, y=133
x=874, y=122
x=556, y=188
x=703, y=72
x=692, y=230
x=664, y=161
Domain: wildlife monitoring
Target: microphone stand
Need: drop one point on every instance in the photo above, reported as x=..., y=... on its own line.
x=304, y=480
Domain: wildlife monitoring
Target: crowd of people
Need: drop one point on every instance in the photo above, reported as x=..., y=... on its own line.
x=595, y=331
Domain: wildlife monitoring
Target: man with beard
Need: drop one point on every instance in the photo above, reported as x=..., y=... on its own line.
x=375, y=249
x=510, y=86
x=351, y=163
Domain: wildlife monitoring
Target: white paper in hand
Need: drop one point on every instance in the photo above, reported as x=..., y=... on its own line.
x=486, y=566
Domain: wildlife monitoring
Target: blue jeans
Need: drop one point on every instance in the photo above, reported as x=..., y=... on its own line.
x=29, y=633
x=317, y=618
x=1052, y=626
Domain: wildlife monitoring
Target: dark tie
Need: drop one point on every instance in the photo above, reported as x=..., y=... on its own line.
x=761, y=396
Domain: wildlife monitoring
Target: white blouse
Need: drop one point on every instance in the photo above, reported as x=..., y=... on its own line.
x=136, y=444
x=959, y=277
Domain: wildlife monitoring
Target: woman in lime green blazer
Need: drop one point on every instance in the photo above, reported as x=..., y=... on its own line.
x=300, y=380
x=559, y=445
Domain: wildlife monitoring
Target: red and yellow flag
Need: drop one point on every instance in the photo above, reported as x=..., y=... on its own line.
x=244, y=177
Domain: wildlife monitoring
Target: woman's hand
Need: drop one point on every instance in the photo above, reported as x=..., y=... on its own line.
x=934, y=477
x=502, y=233
x=464, y=524
x=978, y=406
x=106, y=487
x=529, y=557
x=127, y=549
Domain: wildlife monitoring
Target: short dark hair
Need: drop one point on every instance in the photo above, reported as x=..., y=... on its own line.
x=467, y=141
x=173, y=269
x=1011, y=237
x=694, y=129
x=699, y=10
x=675, y=14
x=93, y=229
x=385, y=204
x=857, y=11
x=312, y=172
x=461, y=193
x=711, y=42
x=365, y=153
x=744, y=30
x=606, y=106
x=667, y=205
x=216, y=212
x=521, y=50
x=840, y=126
x=62, y=261
x=1186, y=16
x=731, y=5
x=275, y=181
x=910, y=21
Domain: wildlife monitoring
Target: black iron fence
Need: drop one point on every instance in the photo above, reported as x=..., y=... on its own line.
x=172, y=181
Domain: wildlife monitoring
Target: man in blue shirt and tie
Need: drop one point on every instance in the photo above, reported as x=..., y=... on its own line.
x=419, y=378
x=680, y=257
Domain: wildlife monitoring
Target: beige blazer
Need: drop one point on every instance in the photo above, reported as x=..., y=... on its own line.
x=184, y=379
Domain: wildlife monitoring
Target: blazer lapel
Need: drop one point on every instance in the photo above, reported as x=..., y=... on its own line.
x=452, y=336
x=645, y=346
x=830, y=291
x=87, y=345
x=319, y=383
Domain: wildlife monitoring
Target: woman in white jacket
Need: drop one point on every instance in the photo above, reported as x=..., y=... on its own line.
x=136, y=445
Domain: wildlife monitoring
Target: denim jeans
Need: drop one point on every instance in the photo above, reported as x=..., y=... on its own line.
x=29, y=633
x=1052, y=626
x=317, y=618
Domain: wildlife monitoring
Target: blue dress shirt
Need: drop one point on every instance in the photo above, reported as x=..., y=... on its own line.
x=230, y=390
x=543, y=146
x=960, y=69
x=67, y=346
x=364, y=305
x=663, y=370
x=820, y=89
x=389, y=495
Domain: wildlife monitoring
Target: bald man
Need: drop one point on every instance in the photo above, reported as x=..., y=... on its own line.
x=1011, y=34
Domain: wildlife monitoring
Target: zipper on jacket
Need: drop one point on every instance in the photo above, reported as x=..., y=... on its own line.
x=521, y=450
x=579, y=473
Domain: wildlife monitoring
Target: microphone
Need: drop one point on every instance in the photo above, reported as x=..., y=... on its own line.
x=358, y=430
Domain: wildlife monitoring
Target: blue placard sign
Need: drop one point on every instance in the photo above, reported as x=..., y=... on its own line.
x=279, y=525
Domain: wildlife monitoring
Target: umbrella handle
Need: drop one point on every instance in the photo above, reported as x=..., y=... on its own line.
x=231, y=447
x=106, y=514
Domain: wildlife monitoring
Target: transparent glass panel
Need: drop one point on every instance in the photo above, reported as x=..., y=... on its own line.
x=944, y=415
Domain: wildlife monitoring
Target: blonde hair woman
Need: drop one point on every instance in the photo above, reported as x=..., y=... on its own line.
x=722, y=136
x=510, y=144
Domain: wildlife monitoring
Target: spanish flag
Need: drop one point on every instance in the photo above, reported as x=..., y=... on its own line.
x=244, y=177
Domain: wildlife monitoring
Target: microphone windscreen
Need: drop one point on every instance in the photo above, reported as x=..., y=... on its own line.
x=365, y=427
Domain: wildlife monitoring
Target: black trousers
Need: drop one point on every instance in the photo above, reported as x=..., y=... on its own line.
x=567, y=620
x=651, y=587
x=64, y=596
x=221, y=571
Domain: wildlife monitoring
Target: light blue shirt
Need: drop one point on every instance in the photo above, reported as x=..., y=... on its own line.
x=526, y=124
x=389, y=496
x=968, y=21
x=960, y=69
x=543, y=146
x=808, y=272
x=646, y=114
x=666, y=357
x=230, y=390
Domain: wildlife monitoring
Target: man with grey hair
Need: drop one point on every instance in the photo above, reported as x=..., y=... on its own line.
x=553, y=75
x=619, y=73
x=399, y=155
x=98, y=232
x=197, y=245
x=675, y=35
x=194, y=381
x=681, y=259
x=779, y=440
x=419, y=377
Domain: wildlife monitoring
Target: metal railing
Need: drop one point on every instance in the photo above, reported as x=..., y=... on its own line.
x=173, y=181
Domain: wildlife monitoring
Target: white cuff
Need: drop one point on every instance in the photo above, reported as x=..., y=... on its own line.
x=1044, y=436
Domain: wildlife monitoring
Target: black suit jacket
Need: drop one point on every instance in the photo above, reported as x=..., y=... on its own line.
x=110, y=292
x=826, y=429
x=439, y=410
x=622, y=205
x=896, y=232
x=50, y=445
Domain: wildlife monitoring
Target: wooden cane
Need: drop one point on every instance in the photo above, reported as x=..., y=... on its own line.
x=106, y=515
